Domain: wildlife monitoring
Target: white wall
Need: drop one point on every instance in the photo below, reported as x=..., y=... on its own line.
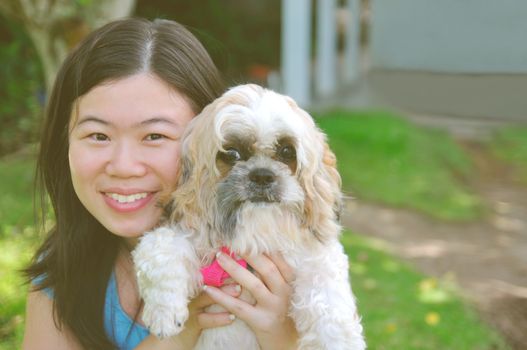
x=465, y=36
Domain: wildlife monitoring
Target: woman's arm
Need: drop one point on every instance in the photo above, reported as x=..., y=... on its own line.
x=41, y=332
x=268, y=317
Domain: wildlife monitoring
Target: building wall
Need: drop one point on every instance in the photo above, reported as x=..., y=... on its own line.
x=456, y=36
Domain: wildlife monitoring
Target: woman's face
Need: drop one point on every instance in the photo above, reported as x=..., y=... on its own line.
x=124, y=150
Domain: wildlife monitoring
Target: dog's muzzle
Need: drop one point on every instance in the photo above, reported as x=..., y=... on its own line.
x=262, y=183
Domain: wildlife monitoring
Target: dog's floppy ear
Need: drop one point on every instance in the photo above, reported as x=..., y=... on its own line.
x=323, y=199
x=320, y=180
x=329, y=160
x=198, y=150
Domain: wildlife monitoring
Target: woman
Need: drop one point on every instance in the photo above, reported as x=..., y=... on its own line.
x=109, y=152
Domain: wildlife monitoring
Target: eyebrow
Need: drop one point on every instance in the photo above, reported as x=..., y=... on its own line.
x=92, y=119
x=154, y=120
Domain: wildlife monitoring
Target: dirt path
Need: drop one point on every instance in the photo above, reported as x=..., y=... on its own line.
x=487, y=258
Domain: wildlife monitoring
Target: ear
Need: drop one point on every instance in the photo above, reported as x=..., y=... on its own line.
x=329, y=161
x=320, y=179
x=196, y=173
x=184, y=171
x=323, y=200
x=321, y=182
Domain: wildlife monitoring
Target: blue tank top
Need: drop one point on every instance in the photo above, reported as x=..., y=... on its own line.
x=119, y=327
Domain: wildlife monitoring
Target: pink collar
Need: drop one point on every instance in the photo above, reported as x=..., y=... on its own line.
x=214, y=274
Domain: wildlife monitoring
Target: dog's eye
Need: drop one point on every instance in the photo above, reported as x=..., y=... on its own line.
x=230, y=156
x=287, y=153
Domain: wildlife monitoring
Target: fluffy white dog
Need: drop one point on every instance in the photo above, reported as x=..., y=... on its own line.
x=256, y=176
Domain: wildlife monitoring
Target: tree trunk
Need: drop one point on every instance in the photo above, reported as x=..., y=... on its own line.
x=56, y=26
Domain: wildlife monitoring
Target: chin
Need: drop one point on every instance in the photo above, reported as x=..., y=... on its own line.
x=257, y=176
x=129, y=228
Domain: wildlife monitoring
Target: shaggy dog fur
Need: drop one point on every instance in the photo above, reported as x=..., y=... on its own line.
x=256, y=176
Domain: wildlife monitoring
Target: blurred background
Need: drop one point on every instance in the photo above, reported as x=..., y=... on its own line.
x=424, y=103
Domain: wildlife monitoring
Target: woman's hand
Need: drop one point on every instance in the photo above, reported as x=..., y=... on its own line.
x=198, y=320
x=268, y=317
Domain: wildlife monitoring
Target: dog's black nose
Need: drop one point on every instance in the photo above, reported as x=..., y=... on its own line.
x=262, y=176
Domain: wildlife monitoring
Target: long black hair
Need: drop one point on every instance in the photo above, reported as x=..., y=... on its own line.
x=78, y=255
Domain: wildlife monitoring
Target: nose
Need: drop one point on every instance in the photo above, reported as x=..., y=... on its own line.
x=126, y=162
x=262, y=176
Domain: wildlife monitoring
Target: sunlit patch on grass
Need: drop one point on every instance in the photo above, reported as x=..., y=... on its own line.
x=391, y=327
x=402, y=309
x=431, y=292
x=17, y=249
x=432, y=318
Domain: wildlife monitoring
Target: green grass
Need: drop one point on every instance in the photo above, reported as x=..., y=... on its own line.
x=404, y=310
x=510, y=144
x=16, y=252
x=17, y=243
x=16, y=208
x=386, y=159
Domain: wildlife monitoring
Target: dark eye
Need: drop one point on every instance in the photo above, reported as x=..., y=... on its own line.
x=286, y=153
x=154, y=137
x=98, y=137
x=230, y=156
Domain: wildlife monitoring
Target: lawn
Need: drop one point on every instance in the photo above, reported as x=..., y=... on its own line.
x=510, y=144
x=404, y=310
x=401, y=309
x=16, y=252
x=16, y=209
x=383, y=158
x=17, y=242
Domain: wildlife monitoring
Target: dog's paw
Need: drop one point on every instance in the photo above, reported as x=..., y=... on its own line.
x=163, y=321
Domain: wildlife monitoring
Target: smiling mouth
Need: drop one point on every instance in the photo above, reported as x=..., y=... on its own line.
x=126, y=198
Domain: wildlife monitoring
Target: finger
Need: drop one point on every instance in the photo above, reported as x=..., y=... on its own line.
x=203, y=300
x=244, y=277
x=233, y=289
x=212, y=320
x=269, y=273
x=235, y=306
x=285, y=269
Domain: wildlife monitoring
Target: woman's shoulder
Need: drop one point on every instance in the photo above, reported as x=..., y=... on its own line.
x=41, y=331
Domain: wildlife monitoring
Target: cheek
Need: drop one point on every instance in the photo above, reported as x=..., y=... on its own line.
x=85, y=166
x=167, y=163
x=79, y=167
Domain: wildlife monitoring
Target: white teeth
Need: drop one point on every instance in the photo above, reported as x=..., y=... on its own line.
x=127, y=199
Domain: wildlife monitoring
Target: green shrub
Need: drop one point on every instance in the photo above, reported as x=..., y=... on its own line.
x=22, y=87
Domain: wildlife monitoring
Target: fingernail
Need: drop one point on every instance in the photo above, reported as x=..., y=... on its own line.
x=221, y=257
x=204, y=287
x=238, y=288
x=232, y=317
